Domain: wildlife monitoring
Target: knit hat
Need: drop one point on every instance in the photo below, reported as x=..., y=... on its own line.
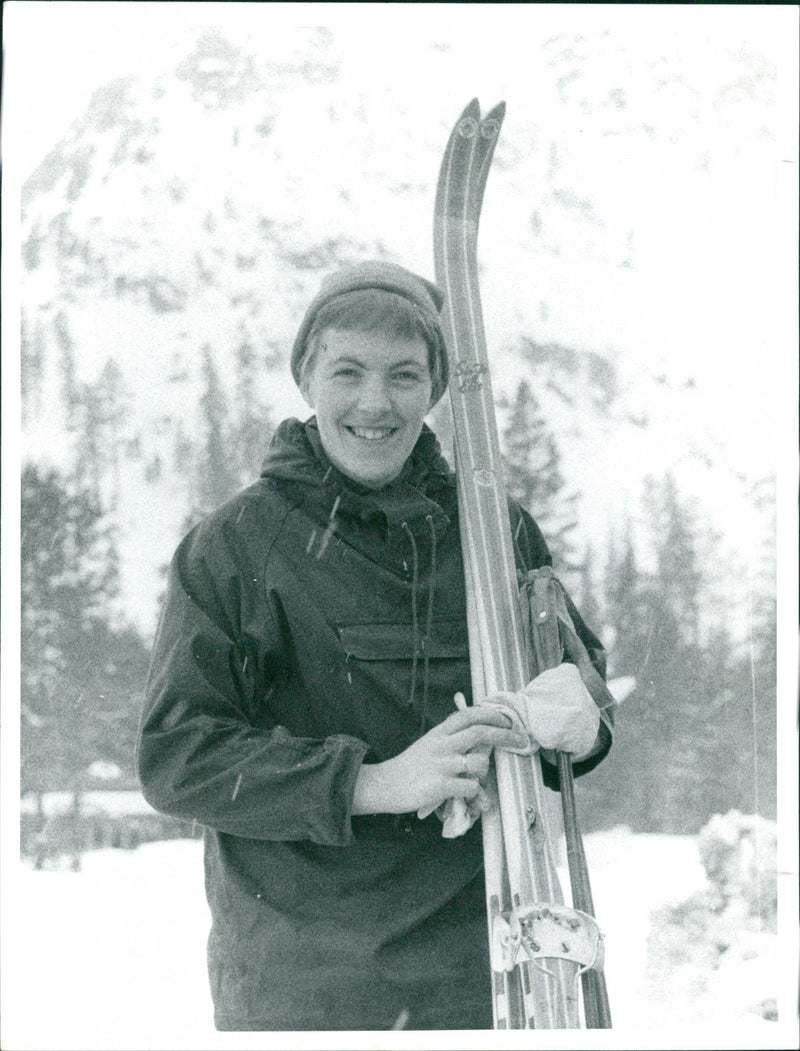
x=390, y=278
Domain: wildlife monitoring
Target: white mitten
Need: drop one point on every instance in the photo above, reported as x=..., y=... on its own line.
x=557, y=710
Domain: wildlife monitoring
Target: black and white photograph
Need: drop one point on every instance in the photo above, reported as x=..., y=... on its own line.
x=399, y=567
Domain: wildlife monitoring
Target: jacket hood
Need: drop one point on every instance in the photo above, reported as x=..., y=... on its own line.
x=296, y=455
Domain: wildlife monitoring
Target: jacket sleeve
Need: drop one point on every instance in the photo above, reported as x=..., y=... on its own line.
x=531, y=552
x=200, y=753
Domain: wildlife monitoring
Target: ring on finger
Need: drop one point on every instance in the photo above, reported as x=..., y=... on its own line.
x=465, y=763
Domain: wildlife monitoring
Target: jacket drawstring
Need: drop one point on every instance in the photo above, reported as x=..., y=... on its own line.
x=414, y=617
x=422, y=643
x=428, y=626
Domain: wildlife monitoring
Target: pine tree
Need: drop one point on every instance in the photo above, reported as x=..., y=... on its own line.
x=252, y=429
x=758, y=673
x=681, y=747
x=80, y=674
x=625, y=610
x=672, y=674
x=99, y=408
x=626, y=789
x=588, y=602
x=688, y=677
x=531, y=462
x=673, y=529
x=217, y=476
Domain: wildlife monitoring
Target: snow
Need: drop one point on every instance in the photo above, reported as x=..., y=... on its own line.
x=113, y=957
x=114, y=802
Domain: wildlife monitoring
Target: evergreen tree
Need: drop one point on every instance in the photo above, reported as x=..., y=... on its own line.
x=760, y=676
x=217, y=474
x=531, y=462
x=676, y=706
x=587, y=594
x=680, y=733
x=673, y=529
x=728, y=729
x=252, y=429
x=81, y=676
x=758, y=670
x=99, y=408
x=626, y=789
x=683, y=750
x=625, y=609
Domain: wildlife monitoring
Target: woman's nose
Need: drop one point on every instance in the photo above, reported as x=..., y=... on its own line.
x=374, y=394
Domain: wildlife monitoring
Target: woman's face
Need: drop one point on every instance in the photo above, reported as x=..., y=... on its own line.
x=371, y=392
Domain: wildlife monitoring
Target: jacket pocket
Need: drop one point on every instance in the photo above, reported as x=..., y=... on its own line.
x=397, y=642
x=396, y=696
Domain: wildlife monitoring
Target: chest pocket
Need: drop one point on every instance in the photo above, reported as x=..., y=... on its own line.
x=389, y=686
x=397, y=642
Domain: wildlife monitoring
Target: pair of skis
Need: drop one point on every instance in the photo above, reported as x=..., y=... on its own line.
x=541, y=949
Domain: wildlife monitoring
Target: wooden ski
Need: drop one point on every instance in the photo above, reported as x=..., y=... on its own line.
x=534, y=978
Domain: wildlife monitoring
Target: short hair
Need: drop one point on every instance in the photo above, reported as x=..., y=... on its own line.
x=371, y=310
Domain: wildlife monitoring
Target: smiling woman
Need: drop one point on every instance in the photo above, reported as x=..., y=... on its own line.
x=371, y=393
x=370, y=359
x=301, y=703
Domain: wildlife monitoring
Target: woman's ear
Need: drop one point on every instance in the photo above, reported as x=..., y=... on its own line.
x=305, y=390
x=307, y=370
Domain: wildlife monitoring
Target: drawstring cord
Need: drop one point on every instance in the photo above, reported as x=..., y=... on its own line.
x=428, y=626
x=421, y=643
x=414, y=618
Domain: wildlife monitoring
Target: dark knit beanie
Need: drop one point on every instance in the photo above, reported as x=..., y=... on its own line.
x=390, y=278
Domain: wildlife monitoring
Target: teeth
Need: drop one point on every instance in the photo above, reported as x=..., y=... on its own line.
x=372, y=433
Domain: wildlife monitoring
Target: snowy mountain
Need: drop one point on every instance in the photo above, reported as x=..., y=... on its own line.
x=172, y=239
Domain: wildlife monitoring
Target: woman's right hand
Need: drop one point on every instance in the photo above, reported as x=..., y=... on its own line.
x=449, y=761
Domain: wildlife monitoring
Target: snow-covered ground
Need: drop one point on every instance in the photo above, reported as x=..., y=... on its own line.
x=113, y=958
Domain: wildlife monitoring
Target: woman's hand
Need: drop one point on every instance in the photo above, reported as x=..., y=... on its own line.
x=451, y=760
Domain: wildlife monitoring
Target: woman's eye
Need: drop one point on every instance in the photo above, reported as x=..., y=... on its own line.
x=410, y=375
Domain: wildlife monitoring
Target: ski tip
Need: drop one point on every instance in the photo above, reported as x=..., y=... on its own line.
x=472, y=109
x=491, y=120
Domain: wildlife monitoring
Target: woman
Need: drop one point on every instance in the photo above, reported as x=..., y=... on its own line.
x=301, y=699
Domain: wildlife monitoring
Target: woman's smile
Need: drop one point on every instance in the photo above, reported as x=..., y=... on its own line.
x=371, y=392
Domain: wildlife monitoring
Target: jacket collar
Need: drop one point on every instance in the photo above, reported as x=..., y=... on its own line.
x=296, y=455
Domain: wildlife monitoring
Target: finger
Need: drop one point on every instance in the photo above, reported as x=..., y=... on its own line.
x=426, y=811
x=473, y=765
x=462, y=787
x=484, y=715
x=481, y=736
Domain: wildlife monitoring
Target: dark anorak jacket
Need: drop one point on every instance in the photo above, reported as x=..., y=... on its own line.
x=311, y=625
